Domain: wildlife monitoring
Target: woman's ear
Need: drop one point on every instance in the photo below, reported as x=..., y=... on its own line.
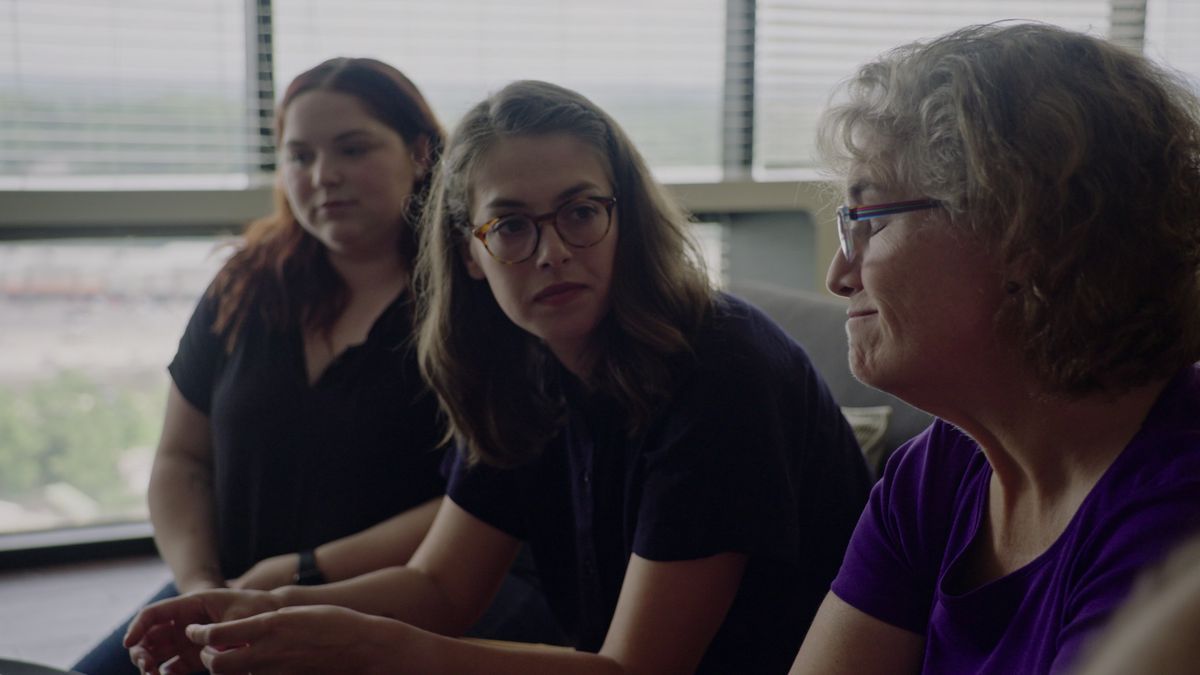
x=474, y=270
x=422, y=157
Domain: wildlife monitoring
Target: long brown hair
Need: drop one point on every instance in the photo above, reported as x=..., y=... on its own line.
x=489, y=374
x=282, y=272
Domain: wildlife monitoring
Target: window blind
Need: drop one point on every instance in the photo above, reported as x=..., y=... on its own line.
x=115, y=93
x=655, y=65
x=1172, y=29
x=806, y=47
x=97, y=94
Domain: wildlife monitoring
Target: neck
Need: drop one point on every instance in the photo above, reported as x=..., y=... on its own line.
x=1050, y=447
x=383, y=274
x=1047, y=453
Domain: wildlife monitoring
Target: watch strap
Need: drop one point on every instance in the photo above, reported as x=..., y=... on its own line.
x=307, y=572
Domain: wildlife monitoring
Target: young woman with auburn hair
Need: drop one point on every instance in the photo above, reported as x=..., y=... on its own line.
x=301, y=444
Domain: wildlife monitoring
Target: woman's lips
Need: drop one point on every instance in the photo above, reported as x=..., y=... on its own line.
x=336, y=205
x=557, y=294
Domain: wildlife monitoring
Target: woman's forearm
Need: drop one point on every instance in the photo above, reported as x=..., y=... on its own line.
x=400, y=649
x=182, y=513
x=387, y=544
x=401, y=593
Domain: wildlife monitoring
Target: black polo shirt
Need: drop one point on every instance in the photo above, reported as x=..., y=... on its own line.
x=297, y=465
x=751, y=455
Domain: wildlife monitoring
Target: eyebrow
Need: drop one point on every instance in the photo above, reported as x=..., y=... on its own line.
x=858, y=187
x=505, y=202
x=350, y=135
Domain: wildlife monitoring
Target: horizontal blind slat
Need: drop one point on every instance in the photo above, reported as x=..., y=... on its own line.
x=806, y=47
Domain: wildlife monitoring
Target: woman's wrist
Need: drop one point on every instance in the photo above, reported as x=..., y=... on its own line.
x=299, y=596
x=308, y=572
x=198, y=582
x=391, y=640
x=287, y=596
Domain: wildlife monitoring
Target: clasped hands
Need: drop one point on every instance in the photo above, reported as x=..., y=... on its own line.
x=242, y=631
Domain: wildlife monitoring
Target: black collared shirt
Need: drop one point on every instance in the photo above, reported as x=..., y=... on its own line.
x=297, y=465
x=751, y=455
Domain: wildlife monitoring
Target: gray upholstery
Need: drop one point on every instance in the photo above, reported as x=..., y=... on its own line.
x=818, y=323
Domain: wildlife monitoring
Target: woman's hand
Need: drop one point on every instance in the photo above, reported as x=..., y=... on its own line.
x=310, y=639
x=156, y=638
x=269, y=573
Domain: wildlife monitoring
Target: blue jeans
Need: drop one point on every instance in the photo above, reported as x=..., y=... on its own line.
x=519, y=613
x=110, y=656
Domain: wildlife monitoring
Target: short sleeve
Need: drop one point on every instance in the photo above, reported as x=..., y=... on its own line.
x=891, y=566
x=488, y=493
x=198, y=359
x=728, y=472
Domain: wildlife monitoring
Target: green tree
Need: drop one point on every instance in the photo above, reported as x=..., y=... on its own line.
x=71, y=428
x=21, y=442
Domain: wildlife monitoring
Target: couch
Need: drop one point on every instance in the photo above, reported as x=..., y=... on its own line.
x=818, y=322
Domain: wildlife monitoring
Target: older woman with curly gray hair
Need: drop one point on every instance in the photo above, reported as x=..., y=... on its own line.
x=1020, y=250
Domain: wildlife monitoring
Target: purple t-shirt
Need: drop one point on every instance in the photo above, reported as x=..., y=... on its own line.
x=927, y=509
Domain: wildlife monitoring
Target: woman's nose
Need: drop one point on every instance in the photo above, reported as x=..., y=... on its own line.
x=326, y=172
x=552, y=250
x=843, y=277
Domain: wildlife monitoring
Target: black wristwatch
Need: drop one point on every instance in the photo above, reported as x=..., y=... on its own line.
x=307, y=572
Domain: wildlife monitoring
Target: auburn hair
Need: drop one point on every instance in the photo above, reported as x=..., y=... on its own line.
x=279, y=271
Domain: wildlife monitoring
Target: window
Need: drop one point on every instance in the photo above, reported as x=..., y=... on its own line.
x=1171, y=30
x=806, y=47
x=170, y=101
x=89, y=328
x=124, y=93
x=655, y=65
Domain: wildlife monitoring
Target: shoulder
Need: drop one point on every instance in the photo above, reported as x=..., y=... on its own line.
x=940, y=455
x=1145, y=504
x=746, y=381
x=743, y=368
x=929, y=480
x=740, y=341
x=1147, y=500
x=918, y=517
x=1163, y=459
x=1170, y=436
x=204, y=316
x=735, y=319
x=1150, y=495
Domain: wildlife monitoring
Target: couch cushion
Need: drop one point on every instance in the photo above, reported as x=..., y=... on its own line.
x=870, y=425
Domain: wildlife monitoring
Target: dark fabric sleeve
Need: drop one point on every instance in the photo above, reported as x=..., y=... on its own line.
x=891, y=566
x=728, y=472
x=490, y=494
x=198, y=360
